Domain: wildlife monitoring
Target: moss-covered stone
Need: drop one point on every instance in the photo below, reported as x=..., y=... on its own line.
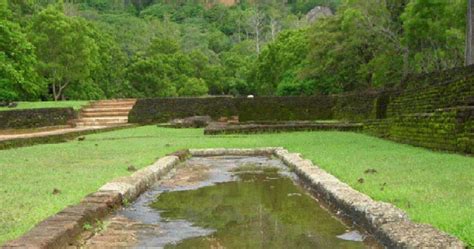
x=34, y=118
x=448, y=129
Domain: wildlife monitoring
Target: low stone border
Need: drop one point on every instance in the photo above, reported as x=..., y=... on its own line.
x=55, y=138
x=62, y=229
x=389, y=225
x=223, y=128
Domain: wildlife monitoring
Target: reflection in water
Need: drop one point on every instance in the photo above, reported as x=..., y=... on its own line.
x=242, y=203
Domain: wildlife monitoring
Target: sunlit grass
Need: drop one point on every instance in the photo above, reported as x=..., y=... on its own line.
x=47, y=104
x=433, y=187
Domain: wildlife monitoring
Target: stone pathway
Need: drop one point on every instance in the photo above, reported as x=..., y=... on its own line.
x=49, y=133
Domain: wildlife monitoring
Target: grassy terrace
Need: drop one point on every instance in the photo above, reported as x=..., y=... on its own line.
x=47, y=104
x=432, y=187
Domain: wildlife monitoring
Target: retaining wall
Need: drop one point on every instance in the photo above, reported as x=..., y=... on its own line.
x=450, y=129
x=285, y=108
x=34, y=118
x=160, y=110
x=248, y=109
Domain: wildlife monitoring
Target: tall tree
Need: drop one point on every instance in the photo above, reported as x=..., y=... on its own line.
x=256, y=22
x=278, y=59
x=66, y=53
x=435, y=34
x=18, y=79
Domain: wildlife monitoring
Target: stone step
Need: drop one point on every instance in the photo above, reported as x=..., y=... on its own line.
x=91, y=114
x=106, y=113
x=110, y=105
x=130, y=102
x=82, y=123
x=92, y=124
x=117, y=100
x=117, y=118
x=107, y=109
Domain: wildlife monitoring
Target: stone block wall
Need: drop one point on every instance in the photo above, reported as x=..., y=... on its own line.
x=34, y=118
x=248, y=109
x=450, y=129
x=430, y=98
x=431, y=110
x=160, y=110
x=285, y=108
x=357, y=106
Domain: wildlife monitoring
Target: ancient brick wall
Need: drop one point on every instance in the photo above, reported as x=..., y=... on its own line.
x=248, y=109
x=33, y=118
x=450, y=129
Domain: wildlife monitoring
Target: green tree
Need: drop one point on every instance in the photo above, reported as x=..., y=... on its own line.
x=358, y=48
x=193, y=87
x=237, y=65
x=434, y=31
x=67, y=54
x=109, y=74
x=18, y=78
x=149, y=76
x=287, y=53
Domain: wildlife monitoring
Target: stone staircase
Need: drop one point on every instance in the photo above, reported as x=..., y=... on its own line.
x=105, y=113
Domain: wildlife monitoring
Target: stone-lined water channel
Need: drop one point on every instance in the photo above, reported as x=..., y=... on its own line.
x=226, y=202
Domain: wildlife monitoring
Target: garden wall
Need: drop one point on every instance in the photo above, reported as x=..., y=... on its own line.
x=430, y=98
x=419, y=94
x=358, y=106
x=284, y=108
x=450, y=129
x=161, y=110
x=431, y=110
x=248, y=109
x=34, y=118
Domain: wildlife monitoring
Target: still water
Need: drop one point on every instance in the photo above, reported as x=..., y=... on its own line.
x=236, y=202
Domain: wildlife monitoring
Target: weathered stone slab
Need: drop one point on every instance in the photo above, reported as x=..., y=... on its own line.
x=407, y=234
x=232, y=152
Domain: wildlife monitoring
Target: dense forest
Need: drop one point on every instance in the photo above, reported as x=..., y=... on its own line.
x=93, y=49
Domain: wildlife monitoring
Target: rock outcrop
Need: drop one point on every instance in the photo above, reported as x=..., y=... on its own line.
x=318, y=12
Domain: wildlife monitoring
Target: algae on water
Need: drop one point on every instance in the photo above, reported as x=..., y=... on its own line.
x=262, y=209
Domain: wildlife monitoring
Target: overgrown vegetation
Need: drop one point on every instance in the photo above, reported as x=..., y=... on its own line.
x=417, y=180
x=92, y=49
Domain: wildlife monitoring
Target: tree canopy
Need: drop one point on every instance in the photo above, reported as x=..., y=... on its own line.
x=93, y=49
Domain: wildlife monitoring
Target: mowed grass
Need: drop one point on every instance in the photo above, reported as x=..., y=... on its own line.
x=47, y=104
x=433, y=187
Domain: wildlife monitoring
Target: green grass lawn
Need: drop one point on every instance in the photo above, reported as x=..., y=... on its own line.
x=433, y=187
x=47, y=104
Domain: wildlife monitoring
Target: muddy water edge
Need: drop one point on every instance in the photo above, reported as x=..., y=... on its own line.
x=228, y=202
